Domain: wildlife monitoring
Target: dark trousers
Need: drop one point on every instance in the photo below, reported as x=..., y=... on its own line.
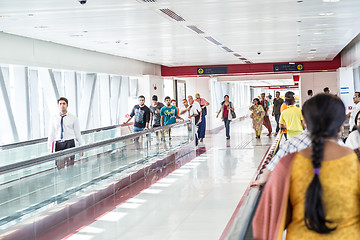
x=227, y=127
x=202, y=127
x=59, y=146
x=277, y=118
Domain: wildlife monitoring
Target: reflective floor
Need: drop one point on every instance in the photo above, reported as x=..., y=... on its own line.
x=195, y=201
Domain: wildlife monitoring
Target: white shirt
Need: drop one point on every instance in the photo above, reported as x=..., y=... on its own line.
x=192, y=110
x=196, y=106
x=70, y=126
x=353, y=114
x=307, y=97
x=353, y=141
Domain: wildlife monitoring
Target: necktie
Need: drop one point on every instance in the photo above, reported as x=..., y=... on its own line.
x=62, y=127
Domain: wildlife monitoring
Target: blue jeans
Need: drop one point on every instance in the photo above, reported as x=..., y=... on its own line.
x=227, y=127
x=137, y=129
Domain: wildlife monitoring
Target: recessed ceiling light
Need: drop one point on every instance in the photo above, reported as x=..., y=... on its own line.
x=299, y=1
x=326, y=14
x=84, y=31
x=118, y=41
x=30, y=15
x=318, y=33
x=76, y=35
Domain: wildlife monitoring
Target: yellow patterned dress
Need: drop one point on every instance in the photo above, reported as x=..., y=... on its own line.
x=257, y=116
x=341, y=197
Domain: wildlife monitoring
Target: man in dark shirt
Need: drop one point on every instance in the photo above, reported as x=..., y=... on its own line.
x=155, y=112
x=142, y=115
x=276, y=110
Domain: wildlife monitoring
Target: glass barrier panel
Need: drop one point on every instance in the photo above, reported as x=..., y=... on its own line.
x=29, y=190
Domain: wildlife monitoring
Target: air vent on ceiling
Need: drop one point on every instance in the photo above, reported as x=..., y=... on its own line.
x=195, y=29
x=227, y=49
x=244, y=59
x=147, y=1
x=248, y=61
x=211, y=39
x=173, y=15
x=237, y=55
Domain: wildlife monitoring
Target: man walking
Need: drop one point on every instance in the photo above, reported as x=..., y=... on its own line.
x=155, y=112
x=276, y=110
x=309, y=94
x=351, y=115
x=63, y=130
x=291, y=118
x=168, y=113
x=142, y=116
x=189, y=112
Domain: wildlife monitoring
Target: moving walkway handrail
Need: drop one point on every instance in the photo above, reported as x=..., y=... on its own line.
x=243, y=218
x=40, y=140
x=79, y=149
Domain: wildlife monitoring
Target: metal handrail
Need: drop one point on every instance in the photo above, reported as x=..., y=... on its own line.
x=80, y=149
x=40, y=140
x=246, y=212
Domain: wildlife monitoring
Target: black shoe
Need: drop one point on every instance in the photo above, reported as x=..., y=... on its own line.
x=227, y=138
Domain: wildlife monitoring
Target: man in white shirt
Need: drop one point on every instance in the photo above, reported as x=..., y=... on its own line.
x=196, y=109
x=309, y=95
x=351, y=115
x=63, y=130
x=187, y=112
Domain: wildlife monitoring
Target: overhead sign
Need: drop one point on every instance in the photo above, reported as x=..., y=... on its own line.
x=288, y=67
x=211, y=70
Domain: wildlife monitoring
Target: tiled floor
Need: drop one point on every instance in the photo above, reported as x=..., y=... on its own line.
x=195, y=201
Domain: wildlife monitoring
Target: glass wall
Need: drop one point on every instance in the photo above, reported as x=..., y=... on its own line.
x=29, y=99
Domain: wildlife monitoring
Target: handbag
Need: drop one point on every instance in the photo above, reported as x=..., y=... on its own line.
x=233, y=114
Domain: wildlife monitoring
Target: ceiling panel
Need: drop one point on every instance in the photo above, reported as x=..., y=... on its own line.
x=281, y=30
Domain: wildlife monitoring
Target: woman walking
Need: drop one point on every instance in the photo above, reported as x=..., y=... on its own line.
x=226, y=116
x=257, y=116
x=314, y=193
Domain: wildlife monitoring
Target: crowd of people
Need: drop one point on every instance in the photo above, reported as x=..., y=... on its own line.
x=312, y=186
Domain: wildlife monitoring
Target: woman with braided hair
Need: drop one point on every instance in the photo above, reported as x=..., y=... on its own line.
x=314, y=193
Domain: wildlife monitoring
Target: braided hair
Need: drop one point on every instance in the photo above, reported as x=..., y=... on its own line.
x=324, y=115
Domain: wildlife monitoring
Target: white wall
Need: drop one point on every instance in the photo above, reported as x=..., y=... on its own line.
x=31, y=52
x=317, y=82
x=146, y=88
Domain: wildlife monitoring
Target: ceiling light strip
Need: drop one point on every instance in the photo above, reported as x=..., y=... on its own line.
x=227, y=49
x=211, y=39
x=195, y=29
x=172, y=14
